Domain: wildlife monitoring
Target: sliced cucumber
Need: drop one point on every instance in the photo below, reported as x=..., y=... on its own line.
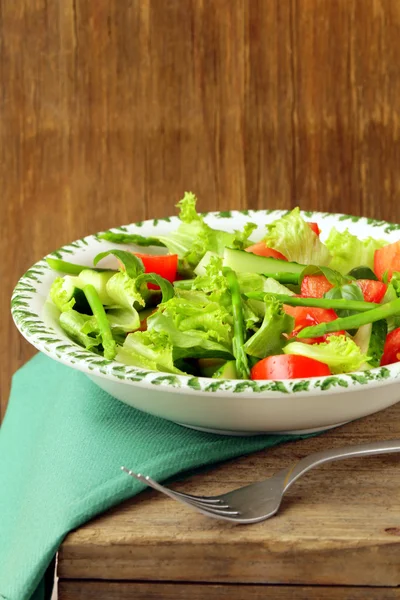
x=246, y=262
x=271, y=286
x=371, y=340
x=99, y=282
x=227, y=371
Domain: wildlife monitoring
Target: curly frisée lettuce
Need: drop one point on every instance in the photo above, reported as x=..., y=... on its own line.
x=340, y=353
x=194, y=237
x=148, y=350
x=292, y=237
x=269, y=338
x=81, y=328
x=213, y=282
x=349, y=251
x=191, y=321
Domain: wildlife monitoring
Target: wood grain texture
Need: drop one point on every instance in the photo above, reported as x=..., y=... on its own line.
x=109, y=111
x=98, y=590
x=339, y=525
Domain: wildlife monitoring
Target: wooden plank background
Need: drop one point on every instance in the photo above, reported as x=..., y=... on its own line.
x=110, y=110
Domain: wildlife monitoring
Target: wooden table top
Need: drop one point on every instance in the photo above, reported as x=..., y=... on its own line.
x=339, y=525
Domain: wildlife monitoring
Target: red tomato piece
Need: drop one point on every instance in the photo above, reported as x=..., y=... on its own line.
x=314, y=227
x=288, y=366
x=307, y=316
x=373, y=291
x=315, y=286
x=391, y=352
x=261, y=249
x=387, y=260
x=165, y=265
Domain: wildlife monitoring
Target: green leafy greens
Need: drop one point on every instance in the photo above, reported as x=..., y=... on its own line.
x=340, y=353
x=293, y=237
x=349, y=251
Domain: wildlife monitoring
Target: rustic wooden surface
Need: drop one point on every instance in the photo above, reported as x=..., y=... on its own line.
x=339, y=525
x=111, y=110
x=95, y=590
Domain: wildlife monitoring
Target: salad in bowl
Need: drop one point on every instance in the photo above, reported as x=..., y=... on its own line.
x=239, y=321
x=217, y=304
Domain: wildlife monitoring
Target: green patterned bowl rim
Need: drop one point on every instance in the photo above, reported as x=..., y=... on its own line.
x=27, y=305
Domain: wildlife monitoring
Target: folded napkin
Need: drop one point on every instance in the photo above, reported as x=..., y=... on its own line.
x=62, y=444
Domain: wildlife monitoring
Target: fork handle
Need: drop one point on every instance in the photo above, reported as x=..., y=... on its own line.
x=320, y=458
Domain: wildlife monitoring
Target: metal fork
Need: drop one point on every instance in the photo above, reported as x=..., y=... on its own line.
x=261, y=500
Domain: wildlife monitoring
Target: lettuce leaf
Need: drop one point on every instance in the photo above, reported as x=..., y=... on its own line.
x=242, y=238
x=148, y=350
x=214, y=283
x=268, y=340
x=123, y=292
x=194, y=237
x=123, y=319
x=293, y=237
x=82, y=329
x=340, y=353
x=188, y=344
x=195, y=326
x=251, y=314
x=63, y=290
x=203, y=317
x=349, y=251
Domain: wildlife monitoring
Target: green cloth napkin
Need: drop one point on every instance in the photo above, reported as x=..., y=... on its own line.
x=62, y=444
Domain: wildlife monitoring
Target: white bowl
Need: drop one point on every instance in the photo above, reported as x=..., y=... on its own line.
x=222, y=406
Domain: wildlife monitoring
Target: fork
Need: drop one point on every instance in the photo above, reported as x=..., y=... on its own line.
x=261, y=500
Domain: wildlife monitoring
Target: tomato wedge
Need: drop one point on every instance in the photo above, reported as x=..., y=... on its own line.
x=387, y=260
x=373, y=291
x=315, y=286
x=306, y=316
x=288, y=366
x=314, y=227
x=165, y=265
x=391, y=351
x=261, y=249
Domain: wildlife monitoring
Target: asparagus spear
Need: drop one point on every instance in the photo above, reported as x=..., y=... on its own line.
x=285, y=277
x=316, y=302
x=239, y=353
x=67, y=267
x=353, y=321
x=109, y=345
x=130, y=238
